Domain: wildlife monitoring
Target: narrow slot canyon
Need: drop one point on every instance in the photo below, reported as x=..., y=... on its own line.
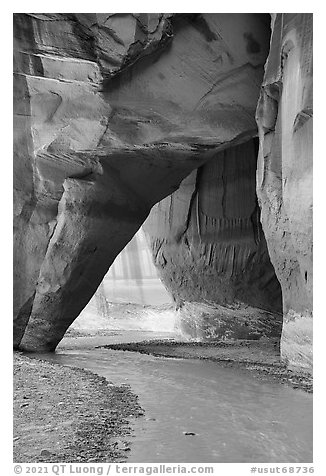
x=163, y=210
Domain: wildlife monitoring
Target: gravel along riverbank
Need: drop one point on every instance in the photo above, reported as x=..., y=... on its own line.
x=262, y=358
x=69, y=415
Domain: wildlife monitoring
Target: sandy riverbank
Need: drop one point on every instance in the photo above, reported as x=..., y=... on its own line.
x=263, y=358
x=64, y=414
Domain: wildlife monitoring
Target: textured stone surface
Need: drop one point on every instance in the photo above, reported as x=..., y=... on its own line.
x=211, y=252
x=111, y=112
x=284, y=176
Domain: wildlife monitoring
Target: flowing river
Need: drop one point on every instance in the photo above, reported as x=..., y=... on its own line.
x=231, y=414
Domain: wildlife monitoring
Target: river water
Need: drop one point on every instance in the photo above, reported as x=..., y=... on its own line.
x=235, y=416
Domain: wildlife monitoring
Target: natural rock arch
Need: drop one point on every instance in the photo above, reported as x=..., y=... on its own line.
x=112, y=112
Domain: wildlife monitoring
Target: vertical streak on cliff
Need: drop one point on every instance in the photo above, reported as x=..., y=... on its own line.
x=218, y=260
x=193, y=200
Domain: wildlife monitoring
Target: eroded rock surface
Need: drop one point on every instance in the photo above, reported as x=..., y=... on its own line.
x=284, y=176
x=211, y=252
x=112, y=111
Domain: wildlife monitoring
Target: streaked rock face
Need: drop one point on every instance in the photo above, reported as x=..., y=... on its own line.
x=211, y=252
x=112, y=112
x=284, y=176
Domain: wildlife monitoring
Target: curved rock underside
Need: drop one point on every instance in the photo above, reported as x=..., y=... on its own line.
x=112, y=112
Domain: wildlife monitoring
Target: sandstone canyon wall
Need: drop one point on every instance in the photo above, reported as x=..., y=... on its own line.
x=284, y=176
x=209, y=247
x=112, y=112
